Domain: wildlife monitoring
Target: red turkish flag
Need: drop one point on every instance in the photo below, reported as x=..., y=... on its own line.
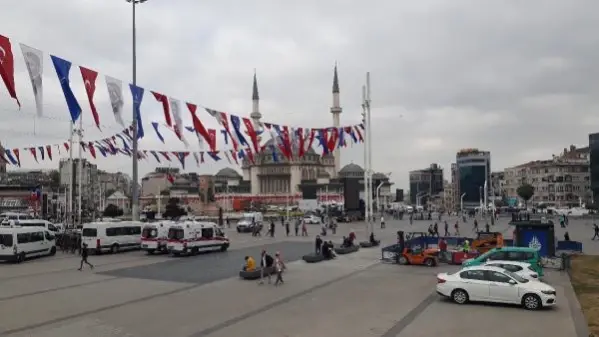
x=89, y=79
x=92, y=149
x=49, y=151
x=199, y=127
x=33, y=153
x=252, y=133
x=7, y=67
x=165, y=107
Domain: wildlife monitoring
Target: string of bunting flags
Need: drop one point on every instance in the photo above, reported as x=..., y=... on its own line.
x=245, y=136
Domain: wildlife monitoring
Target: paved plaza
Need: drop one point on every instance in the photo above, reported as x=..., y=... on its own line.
x=135, y=295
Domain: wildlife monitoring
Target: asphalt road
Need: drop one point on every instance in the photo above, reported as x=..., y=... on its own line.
x=206, y=268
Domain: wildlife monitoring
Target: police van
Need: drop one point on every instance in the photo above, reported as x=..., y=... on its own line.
x=20, y=243
x=111, y=237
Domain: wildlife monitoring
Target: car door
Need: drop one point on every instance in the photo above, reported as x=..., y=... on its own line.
x=475, y=283
x=500, y=288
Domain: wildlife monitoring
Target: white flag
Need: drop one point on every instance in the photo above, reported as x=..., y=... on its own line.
x=34, y=60
x=115, y=91
x=176, y=113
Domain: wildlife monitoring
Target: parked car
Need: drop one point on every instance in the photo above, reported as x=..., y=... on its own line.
x=494, y=284
x=312, y=219
x=522, y=254
x=523, y=269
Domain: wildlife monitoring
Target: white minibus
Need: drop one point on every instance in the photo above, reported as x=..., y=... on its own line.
x=111, y=236
x=20, y=243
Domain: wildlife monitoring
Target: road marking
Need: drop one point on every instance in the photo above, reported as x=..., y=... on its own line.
x=411, y=316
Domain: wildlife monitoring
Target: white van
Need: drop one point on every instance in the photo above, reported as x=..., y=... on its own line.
x=19, y=243
x=244, y=225
x=34, y=223
x=191, y=237
x=6, y=217
x=112, y=236
x=154, y=236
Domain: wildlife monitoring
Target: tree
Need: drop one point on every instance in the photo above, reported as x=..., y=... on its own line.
x=172, y=209
x=112, y=211
x=525, y=191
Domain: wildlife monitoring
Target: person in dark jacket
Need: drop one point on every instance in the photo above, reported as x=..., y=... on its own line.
x=318, y=244
x=84, y=257
x=266, y=262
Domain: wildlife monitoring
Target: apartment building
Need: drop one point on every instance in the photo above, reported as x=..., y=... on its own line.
x=561, y=181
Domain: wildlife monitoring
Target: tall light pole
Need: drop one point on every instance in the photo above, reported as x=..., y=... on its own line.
x=134, y=173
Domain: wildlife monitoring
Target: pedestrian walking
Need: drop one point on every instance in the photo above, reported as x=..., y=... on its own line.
x=382, y=222
x=279, y=269
x=304, y=229
x=596, y=229
x=84, y=258
x=266, y=262
x=297, y=226
x=446, y=229
x=287, y=230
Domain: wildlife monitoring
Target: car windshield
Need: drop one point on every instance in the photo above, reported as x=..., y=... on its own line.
x=176, y=234
x=247, y=219
x=516, y=277
x=149, y=232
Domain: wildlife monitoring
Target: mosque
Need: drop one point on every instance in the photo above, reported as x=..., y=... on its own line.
x=284, y=181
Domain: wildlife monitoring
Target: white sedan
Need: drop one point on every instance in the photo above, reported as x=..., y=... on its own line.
x=519, y=268
x=494, y=284
x=312, y=219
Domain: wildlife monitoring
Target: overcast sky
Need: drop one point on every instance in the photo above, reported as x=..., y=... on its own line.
x=517, y=78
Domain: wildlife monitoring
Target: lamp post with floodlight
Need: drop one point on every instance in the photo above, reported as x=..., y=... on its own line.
x=134, y=173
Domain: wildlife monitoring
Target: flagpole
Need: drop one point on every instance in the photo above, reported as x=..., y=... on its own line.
x=134, y=168
x=71, y=194
x=366, y=195
x=369, y=136
x=80, y=171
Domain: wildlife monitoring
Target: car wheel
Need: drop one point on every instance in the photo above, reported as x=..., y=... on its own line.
x=114, y=249
x=150, y=251
x=429, y=262
x=21, y=257
x=403, y=260
x=531, y=302
x=52, y=251
x=238, y=230
x=459, y=296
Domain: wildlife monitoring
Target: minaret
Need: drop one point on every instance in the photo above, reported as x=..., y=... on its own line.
x=251, y=173
x=255, y=115
x=336, y=111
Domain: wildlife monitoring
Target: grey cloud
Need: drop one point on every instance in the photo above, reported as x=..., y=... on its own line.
x=516, y=78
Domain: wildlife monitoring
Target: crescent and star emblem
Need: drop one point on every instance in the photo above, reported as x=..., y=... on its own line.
x=2, y=54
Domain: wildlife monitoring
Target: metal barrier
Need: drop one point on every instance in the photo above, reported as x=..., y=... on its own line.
x=571, y=246
x=562, y=262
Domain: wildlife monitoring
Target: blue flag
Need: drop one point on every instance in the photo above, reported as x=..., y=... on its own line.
x=214, y=155
x=155, y=125
x=138, y=95
x=63, y=67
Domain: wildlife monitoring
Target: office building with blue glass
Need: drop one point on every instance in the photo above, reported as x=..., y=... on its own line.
x=473, y=170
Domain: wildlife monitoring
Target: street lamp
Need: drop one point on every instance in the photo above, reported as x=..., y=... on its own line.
x=419, y=196
x=134, y=169
x=462, y=203
x=378, y=193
